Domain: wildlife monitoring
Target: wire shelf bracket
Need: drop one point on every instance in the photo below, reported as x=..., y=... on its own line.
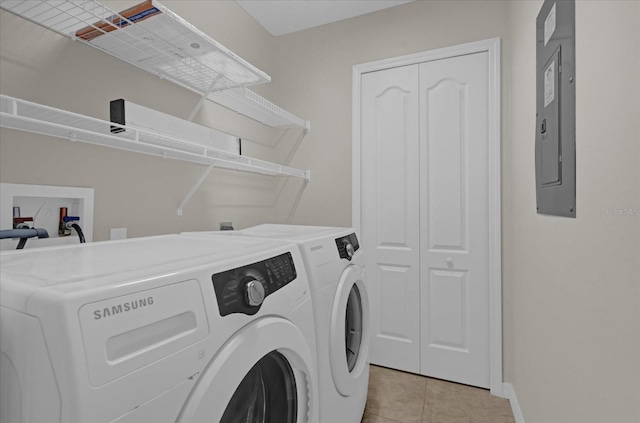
x=296, y=202
x=195, y=187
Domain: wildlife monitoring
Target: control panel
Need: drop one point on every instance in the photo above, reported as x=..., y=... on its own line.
x=244, y=289
x=347, y=246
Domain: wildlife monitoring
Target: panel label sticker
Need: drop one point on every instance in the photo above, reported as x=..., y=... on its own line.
x=549, y=84
x=550, y=24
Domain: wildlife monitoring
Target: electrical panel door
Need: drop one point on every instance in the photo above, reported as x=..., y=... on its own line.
x=555, y=110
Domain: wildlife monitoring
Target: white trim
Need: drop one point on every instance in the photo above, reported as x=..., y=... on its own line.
x=356, y=153
x=492, y=46
x=495, y=219
x=509, y=392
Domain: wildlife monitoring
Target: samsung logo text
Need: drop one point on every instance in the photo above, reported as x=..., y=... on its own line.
x=122, y=308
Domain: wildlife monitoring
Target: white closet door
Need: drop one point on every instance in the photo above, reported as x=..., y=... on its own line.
x=390, y=213
x=454, y=219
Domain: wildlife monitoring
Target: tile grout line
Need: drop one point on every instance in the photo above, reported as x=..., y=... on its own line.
x=386, y=418
x=424, y=398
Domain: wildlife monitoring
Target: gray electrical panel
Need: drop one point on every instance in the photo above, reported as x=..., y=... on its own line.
x=556, y=109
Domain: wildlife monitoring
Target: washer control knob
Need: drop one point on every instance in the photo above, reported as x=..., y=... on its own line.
x=349, y=249
x=254, y=292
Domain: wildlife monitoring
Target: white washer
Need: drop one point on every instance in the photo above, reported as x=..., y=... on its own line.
x=159, y=329
x=335, y=267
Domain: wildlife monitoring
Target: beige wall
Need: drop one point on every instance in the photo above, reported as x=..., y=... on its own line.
x=571, y=286
x=575, y=282
x=133, y=190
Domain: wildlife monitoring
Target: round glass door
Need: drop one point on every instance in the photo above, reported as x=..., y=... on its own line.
x=353, y=327
x=267, y=394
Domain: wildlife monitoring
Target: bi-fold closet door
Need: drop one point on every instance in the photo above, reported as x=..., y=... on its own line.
x=424, y=211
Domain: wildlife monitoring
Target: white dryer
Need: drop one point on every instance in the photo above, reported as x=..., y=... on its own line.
x=335, y=266
x=160, y=329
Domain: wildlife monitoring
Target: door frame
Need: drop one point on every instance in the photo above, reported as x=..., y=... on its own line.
x=492, y=47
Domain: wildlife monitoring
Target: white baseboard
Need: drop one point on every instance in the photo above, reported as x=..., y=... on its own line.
x=509, y=393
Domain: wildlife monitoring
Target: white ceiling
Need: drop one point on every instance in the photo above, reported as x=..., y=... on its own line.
x=281, y=17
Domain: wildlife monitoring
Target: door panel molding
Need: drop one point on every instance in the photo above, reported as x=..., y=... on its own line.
x=447, y=230
x=392, y=101
x=450, y=317
x=492, y=47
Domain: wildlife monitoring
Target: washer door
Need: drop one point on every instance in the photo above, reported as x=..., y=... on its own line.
x=265, y=373
x=349, y=332
x=266, y=394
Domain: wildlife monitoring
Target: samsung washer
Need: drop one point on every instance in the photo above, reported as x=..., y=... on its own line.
x=335, y=265
x=160, y=329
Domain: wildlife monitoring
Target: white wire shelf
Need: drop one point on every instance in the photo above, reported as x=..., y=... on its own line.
x=248, y=103
x=149, y=36
x=32, y=117
x=157, y=40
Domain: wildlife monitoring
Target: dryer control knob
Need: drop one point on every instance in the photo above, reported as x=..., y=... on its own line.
x=254, y=292
x=349, y=249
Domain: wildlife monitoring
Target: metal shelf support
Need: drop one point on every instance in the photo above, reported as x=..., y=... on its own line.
x=195, y=187
x=203, y=98
x=304, y=132
x=294, y=208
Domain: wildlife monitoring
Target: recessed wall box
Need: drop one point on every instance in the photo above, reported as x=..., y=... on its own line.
x=139, y=117
x=41, y=204
x=555, y=156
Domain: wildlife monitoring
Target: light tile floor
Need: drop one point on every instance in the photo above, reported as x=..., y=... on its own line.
x=399, y=397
